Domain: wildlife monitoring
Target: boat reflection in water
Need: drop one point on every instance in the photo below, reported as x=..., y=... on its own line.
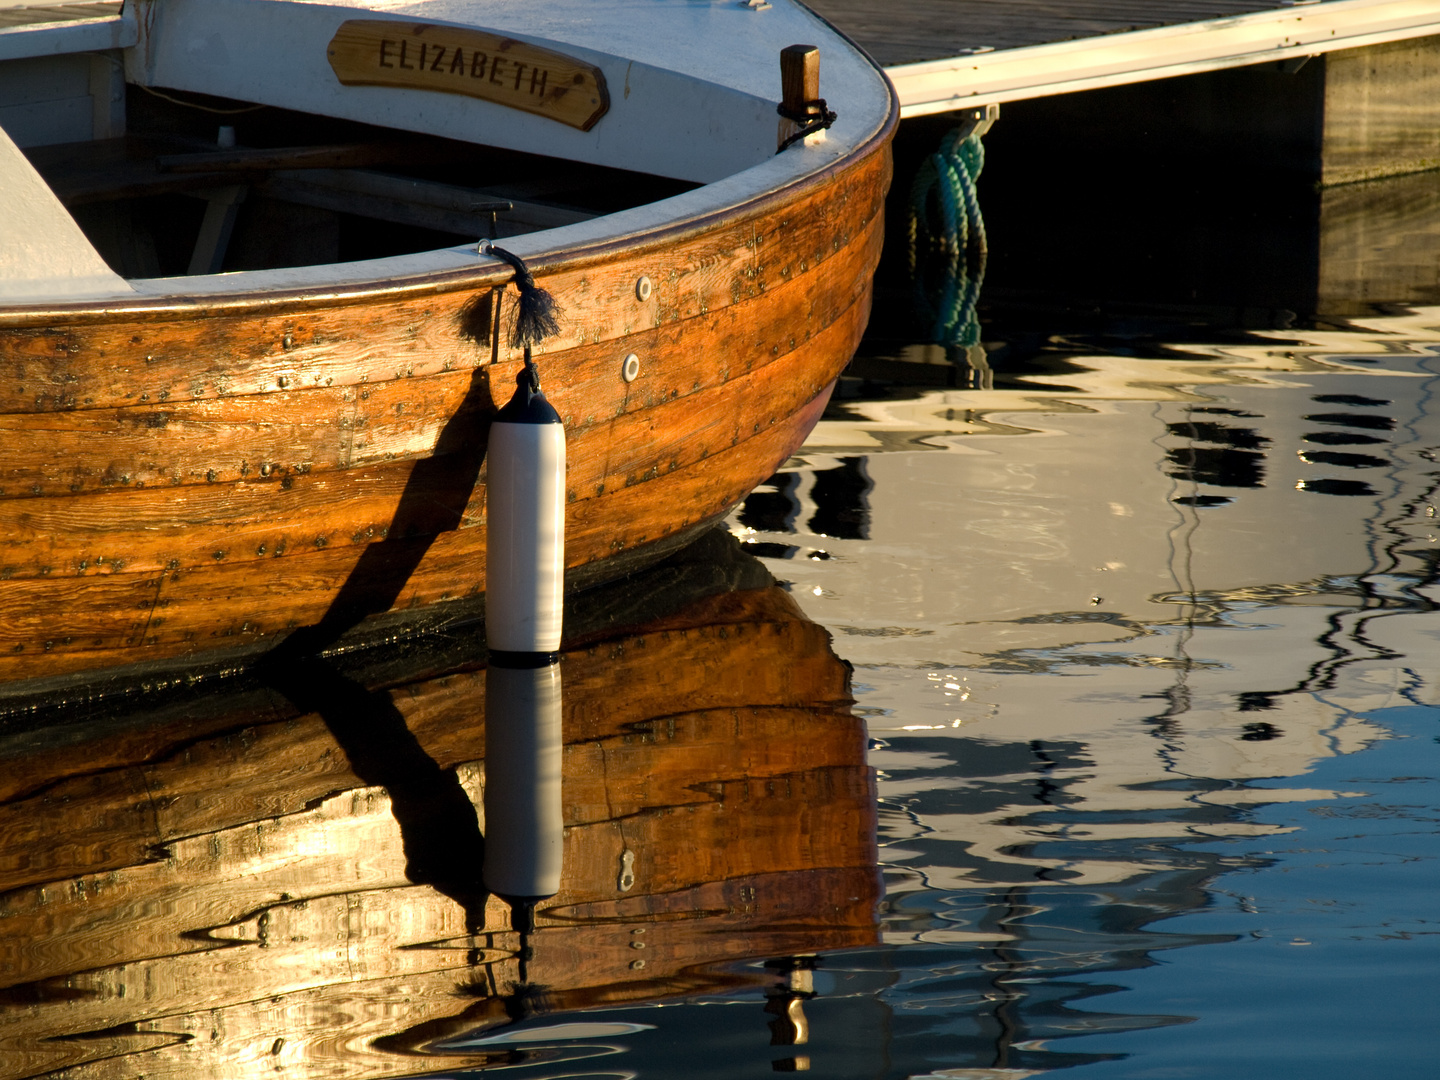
x=287, y=878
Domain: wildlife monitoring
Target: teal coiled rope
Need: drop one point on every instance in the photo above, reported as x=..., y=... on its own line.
x=947, y=233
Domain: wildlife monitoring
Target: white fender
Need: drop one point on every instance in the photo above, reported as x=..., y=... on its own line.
x=525, y=522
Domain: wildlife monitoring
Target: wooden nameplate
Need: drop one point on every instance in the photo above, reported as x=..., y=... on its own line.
x=454, y=60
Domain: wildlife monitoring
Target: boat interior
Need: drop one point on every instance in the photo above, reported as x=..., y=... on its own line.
x=196, y=184
x=174, y=166
x=192, y=138
x=200, y=185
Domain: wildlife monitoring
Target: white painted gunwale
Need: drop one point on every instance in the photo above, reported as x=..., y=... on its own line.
x=856, y=88
x=1066, y=67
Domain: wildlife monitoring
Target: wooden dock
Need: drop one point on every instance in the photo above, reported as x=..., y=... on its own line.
x=950, y=54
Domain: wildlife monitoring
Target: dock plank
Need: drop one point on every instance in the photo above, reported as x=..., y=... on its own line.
x=919, y=30
x=945, y=55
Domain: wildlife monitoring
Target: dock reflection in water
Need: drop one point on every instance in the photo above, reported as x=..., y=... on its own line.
x=287, y=879
x=1146, y=641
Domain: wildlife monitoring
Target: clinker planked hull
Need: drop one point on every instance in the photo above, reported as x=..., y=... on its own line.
x=185, y=475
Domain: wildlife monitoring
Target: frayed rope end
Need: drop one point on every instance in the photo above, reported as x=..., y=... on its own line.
x=537, y=316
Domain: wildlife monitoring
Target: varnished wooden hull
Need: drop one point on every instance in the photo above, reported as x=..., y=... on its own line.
x=180, y=477
x=237, y=891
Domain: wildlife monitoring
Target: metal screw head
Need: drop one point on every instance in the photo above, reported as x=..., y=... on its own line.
x=643, y=288
x=631, y=371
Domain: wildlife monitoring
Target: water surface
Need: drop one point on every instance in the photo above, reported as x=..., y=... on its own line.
x=1146, y=645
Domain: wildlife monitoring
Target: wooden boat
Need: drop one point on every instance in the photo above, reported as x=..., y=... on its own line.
x=220, y=888
x=197, y=461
